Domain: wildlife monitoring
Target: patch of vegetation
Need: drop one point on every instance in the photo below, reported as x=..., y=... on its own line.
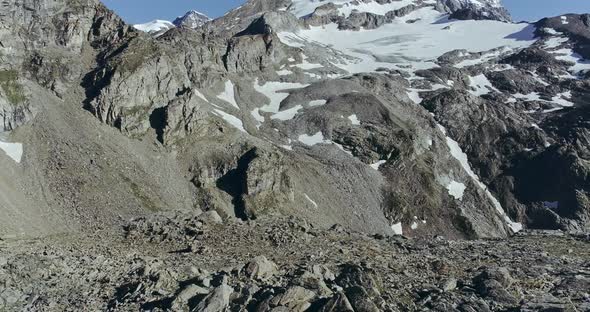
x=146, y=202
x=13, y=91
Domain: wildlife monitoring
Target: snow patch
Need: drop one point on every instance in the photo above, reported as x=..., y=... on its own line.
x=397, y=228
x=378, y=164
x=458, y=154
x=259, y=118
x=305, y=65
x=287, y=114
x=276, y=92
x=562, y=99
x=311, y=140
x=228, y=94
x=12, y=150
x=551, y=31
x=486, y=57
x=481, y=84
x=564, y=20
x=284, y=72
x=354, y=119
x=568, y=55
x=230, y=119
x=414, y=95
x=555, y=42
x=315, y=103
x=456, y=189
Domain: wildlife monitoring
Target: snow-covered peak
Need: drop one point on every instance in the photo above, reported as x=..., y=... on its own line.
x=154, y=26
x=192, y=19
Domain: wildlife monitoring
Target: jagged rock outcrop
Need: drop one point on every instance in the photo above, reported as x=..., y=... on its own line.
x=475, y=10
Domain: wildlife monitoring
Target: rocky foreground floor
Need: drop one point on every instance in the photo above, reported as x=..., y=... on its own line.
x=192, y=262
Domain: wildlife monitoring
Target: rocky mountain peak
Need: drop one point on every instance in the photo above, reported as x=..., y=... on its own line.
x=477, y=9
x=192, y=19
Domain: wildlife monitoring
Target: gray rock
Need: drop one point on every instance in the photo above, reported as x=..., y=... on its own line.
x=216, y=301
x=295, y=298
x=211, y=217
x=502, y=275
x=181, y=300
x=339, y=303
x=313, y=282
x=260, y=268
x=360, y=300
x=449, y=284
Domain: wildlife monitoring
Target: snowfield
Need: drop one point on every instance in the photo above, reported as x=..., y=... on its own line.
x=12, y=150
x=417, y=44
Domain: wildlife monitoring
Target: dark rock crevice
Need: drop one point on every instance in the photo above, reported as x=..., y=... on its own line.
x=235, y=181
x=159, y=122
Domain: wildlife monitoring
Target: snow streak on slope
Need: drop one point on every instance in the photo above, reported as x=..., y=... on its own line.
x=228, y=94
x=458, y=154
x=418, y=43
x=230, y=119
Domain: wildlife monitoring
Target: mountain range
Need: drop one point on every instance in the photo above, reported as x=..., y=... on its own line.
x=376, y=119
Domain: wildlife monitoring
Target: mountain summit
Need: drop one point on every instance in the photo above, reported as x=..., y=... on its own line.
x=192, y=19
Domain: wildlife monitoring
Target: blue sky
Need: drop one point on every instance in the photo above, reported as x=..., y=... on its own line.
x=138, y=11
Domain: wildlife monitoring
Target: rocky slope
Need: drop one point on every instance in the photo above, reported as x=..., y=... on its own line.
x=188, y=262
x=385, y=117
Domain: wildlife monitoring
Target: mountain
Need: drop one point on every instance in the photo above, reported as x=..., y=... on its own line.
x=192, y=19
x=156, y=27
x=145, y=172
x=411, y=111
